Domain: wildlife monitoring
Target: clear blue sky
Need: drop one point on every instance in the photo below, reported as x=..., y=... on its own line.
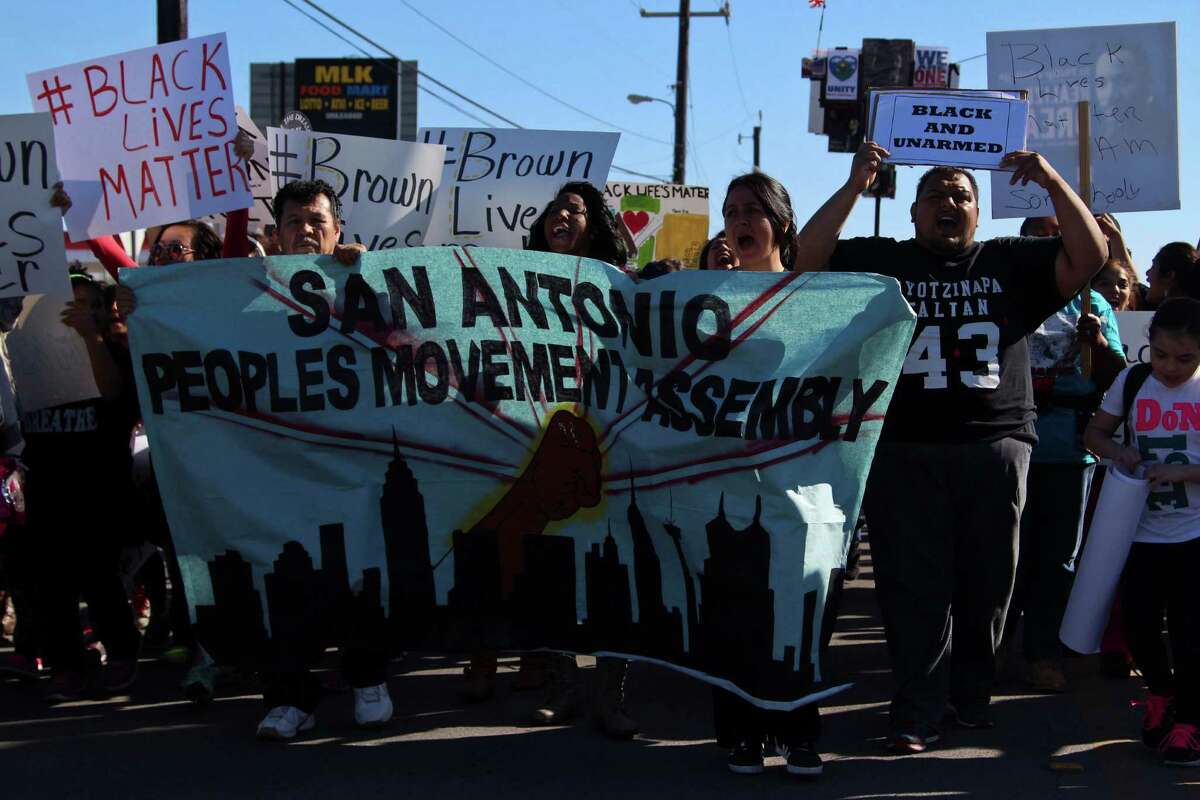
x=592, y=53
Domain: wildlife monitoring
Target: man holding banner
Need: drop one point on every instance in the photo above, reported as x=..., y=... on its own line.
x=948, y=482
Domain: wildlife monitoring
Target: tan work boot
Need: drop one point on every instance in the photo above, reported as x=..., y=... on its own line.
x=531, y=674
x=608, y=711
x=562, y=688
x=1046, y=675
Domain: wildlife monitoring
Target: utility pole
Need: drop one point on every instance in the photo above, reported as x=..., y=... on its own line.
x=172, y=20
x=685, y=14
x=757, y=136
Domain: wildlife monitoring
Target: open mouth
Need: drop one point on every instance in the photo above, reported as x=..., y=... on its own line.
x=560, y=231
x=947, y=224
x=745, y=243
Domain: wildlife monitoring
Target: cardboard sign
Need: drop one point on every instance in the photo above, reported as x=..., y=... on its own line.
x=259, y=172
x=504, y=450
x=841, y=82
x=1135, y=335
x=973, y=130
x=498, y=180
x=932, y=68
x=145, y=137
x=388, y=188
x=1128, y=75
x=666, y=220
x=49, y=361
x=33, y=256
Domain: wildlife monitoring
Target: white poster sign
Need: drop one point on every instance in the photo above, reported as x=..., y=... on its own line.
x=497, y=180
x=49, y=361
x=842, y=81
x=259, y=173
x=1128, y=73
x=33, y=257
x=932, y=68
x=666, y=220
x=1135, y=335
x=960, y=129
x=388, y=188
x=145, y=137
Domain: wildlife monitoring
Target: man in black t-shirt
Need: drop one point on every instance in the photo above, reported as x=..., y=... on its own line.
x=948, y=482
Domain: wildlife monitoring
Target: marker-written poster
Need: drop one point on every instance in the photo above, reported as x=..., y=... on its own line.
x=498, y=180
x=666, y=220
x=145, y=137
x=1128, y=75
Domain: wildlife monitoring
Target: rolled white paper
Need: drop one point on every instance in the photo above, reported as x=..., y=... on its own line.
x=1122, y=501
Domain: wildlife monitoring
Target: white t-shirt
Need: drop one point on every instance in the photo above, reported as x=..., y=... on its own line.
x=1166, y=424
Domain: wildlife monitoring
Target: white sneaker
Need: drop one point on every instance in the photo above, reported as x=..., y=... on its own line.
x=284, y=722
x=372, y=706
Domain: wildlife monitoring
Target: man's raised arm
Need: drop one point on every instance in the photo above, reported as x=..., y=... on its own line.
x=819, y=235
x=1084, y=248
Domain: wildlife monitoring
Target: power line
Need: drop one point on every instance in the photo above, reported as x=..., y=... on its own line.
x=692, y=139
x=386, y=65
x=737, y=75
x=655, y=178
x=425, y=75
x=528, y=83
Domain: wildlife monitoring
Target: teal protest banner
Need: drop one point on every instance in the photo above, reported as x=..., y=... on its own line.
x=519, y=450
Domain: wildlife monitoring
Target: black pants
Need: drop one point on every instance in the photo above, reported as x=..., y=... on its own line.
x=943, y=524
x=1051, y=534
x=736, y=720
x=296, y=646
x=76, y=545
x=1158, y=579
x=20, y=561
x=739, y=721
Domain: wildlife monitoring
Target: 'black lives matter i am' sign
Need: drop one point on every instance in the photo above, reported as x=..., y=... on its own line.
x=970, y=129
x=358, y=96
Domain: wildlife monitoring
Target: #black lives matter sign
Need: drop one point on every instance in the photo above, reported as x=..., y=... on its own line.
x=358, y=96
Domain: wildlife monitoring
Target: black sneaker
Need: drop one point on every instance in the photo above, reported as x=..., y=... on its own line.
x=804, y=760
x=746, y=758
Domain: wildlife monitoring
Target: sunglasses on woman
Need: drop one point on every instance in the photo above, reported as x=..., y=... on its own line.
x=173, y=249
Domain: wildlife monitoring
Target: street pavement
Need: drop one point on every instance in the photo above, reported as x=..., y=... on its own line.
x=151, y=743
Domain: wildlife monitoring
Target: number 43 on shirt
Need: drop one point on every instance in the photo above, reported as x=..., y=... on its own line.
x=925, y=356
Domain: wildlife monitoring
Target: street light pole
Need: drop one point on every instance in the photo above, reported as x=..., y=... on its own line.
x=681, y=78
x=757, y=137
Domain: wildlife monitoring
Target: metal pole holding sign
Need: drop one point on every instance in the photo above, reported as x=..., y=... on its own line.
x=1084, y=116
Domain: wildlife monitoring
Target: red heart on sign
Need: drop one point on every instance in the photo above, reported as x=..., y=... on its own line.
x=635, y=221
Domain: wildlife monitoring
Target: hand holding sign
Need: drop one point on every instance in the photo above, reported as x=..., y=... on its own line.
x=1029, y=166
x=867, y=162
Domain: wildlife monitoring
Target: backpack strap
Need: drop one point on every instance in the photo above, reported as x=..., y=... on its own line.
x=1133, y=384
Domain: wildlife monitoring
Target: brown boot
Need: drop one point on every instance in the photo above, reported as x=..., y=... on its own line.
x=531, y=674
x=479, y=679
x=1046, y=675
x=608, y=711
x=562, y=688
